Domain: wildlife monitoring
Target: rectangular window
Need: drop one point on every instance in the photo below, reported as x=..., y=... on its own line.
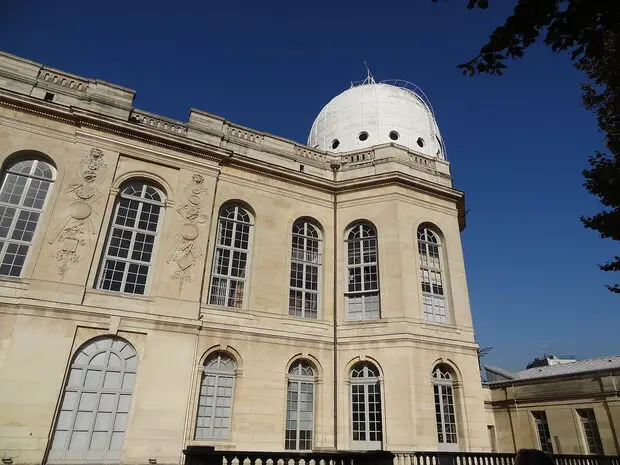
x=230, y=257
x=214, y=406
x=542, y=427
x=299, y=415
x=362, y=287
x=444, y=414
x=590, y=431
x=492, y=439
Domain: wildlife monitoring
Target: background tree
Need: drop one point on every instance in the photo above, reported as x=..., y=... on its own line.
x=589, y=31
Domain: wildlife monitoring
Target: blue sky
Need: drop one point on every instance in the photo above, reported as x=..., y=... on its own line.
x=517, y=144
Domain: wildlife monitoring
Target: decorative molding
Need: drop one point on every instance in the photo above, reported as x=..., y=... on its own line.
x=362, y=157
x=156, y=122
x=49, y=76
x=245, y=135
x=187, y=251
x=309, y=154
x=422, y=161
x=75, y=231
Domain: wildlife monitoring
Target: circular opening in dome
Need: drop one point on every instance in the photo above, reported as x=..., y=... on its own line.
x=335, y=143
x=420, y=142
x=363, y=136
x=394, y=135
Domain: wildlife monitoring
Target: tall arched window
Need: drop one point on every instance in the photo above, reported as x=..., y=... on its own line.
x=300, y=407
x=366, y=415
x=444, y=408
x=25, y=185
x=130, y=243
x=216, y=397
x=230, y=259
x=433, y=290
x=305, y=270
x=95, y=404
x=362, y=293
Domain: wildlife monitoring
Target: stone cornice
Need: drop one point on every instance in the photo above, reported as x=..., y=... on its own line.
x=171, y=134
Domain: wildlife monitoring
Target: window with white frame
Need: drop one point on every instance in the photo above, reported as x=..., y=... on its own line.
x=216, y=397
x=305, y=270
x=300, y=407
x=366, y=414
x=542, y=428
x=362, y=292
x=25, y=186
x=95, y=404
x=445, y=415
x=433, y=289
x=230, y=260
x=128, y=256
x=590, y=431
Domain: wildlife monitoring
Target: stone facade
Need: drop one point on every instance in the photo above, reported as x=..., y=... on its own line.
x=573, y=406
x=56, y=307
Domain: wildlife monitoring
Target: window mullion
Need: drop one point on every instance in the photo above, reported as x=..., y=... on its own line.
x=216, y=384
x=298, y=422
x=232, y=252
x=367, y=410
x=442, y=399
x=18, y=210
x=132, y=244
x=304, y=289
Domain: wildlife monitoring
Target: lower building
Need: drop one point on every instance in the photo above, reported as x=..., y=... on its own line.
x=567, y=408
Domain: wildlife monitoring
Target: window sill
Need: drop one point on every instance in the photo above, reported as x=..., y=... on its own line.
x=227, y=311
x=443, y=326
x=378, y=321
x=123, y=295
x=301, y=321
x=224, y=444
x=15, y=283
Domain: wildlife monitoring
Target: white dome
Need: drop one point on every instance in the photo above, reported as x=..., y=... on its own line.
x=378, y=113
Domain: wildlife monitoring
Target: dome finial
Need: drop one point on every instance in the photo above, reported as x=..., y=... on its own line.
x=369, y=77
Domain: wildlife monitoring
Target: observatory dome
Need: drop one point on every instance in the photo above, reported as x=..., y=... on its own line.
x=374, y=113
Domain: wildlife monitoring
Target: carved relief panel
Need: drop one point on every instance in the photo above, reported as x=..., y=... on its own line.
x=77, y=232
x=188, y=249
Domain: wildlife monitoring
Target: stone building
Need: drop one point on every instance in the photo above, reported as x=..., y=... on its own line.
x=168, y=283
x=564, y=407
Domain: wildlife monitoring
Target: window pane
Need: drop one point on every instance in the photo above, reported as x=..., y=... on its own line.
x=216, y=395
x=22, y=198
x=590, y=431
x=93, y=414
x=433, y=300
x=363, y=275
x=230, y=258
x=131, y=239
x=544, y=436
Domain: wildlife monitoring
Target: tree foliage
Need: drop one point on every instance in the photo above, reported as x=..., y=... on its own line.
x=589, y=31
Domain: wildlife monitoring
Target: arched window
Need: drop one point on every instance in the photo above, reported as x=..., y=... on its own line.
x=433, y=290
x=230, y=258
x=95, y=404
x=362, y=293
x=25, y=185
x=216, y=396
x=300, y=407
x=444, y=408
x=305, y=270
x=130, y=243
x=366, y=415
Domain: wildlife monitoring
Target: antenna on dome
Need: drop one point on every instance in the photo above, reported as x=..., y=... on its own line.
x=369, y=77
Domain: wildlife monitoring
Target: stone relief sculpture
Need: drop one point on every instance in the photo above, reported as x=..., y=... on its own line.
x=75, y=231
x=186, y=250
